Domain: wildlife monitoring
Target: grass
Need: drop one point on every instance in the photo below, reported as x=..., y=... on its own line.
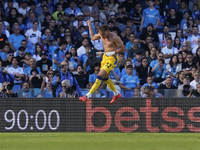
x=99, y=141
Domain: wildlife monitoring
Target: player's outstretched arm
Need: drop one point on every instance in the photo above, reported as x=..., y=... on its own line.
x=93, y=37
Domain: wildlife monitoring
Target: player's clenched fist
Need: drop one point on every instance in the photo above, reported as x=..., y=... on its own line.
x=89, y=23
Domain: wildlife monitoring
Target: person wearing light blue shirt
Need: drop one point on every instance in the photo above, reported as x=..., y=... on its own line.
x=150, y=15
x=73, y=9
x=129, y=81
x=15, y=39
x=59, y=54
x=184, y=20
x=150, y=83
x=27, y=70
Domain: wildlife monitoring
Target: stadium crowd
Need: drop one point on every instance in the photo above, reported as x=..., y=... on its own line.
x=46, y=50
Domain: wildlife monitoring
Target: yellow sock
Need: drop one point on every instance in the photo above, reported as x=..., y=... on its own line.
x=110, y=84
x=95, y=86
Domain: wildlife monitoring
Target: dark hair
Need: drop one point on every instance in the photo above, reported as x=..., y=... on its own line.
x=27, y=54
x=21, y=48
x=23, y=41
x=181, y=32
x=34, y=69
x=20, y=15
x=171, y=62
x=36, y=53
x=129, y=66
x=10, y=16
x=14, y=58
x=6, y=44
x=138, y=53
x=97, y=65
x=80, y=66
x=104, y=27
x=62, y=42
x=84, y=39
x=148, y=88
x=70, y=38
x=35, y=22
x=162, y=60
x=59, y=14
x=44, y=6
x=188, y=24
x=177, y=46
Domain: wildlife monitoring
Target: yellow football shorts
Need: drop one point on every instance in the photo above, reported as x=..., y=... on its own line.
x=109, y=63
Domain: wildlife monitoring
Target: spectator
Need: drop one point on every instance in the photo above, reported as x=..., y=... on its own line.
x=175, y=4
x=36, y=80
x=33, y=35
x=67, y=90
x=125, y=39
x=187, y=66
x=120, y=16
x=26, y=91
x=70, y=60
x=44, y=64
x=15, y=39
x=152, y=55
x=185, y=18
x=193, y=39
x=172, y=20
x=149, y=83
x=20, y=57
x=41, y=17
x=179, y=33
x=89, y=13
x=3, y=29
x=169, y=50
x=123, y=72
x=46, y=91
x=68, y=39
x=162, y=36
x=81, y=50
x=32, y=20
x=91, y=60
x=132, y=52
x=17, y=72
x=38, y=52
x=81, y=77
x=137, y=93
x=4, y=75
x=59, y=54
x=181, y=12
x=113, y=28
x=73, y=9
x=6, y=90
x=149, y=31
x=136, y=61
x=127, y=6
x=54, y=31
x=8, y=8
x=180, y=78
x=196, y=59
x=145, y=46
x=196, y=79
x=149, y=92
x=129, y=81
x=136, y=14
x=49, y=76
x=93, y=76
x=130, y=43
x=195, y=11
x=150, y=15
x=177, y=43
x=159, y=71
x=187, y=27
x=3, y=38
x=12, y=18
x=27, y=70
x=77, y=34
x=47, y=19
x=143, y=71
x=38, y=10
x=24, y=9
x=22, y=26
x=26, y=60
x=174, y=66
x=65, y=74
x=59, y=9
x=186, y=81
x=63, y=3
x=168, y=84
x=7, y=61
x=79, y=18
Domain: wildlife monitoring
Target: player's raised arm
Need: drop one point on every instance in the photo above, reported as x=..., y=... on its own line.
x=93, y=37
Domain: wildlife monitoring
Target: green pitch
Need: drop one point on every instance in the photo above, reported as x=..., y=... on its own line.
x=99, y=141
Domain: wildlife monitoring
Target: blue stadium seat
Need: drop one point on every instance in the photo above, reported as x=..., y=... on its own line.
x=111, y=93
x=129, y=94
x=104, y=92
